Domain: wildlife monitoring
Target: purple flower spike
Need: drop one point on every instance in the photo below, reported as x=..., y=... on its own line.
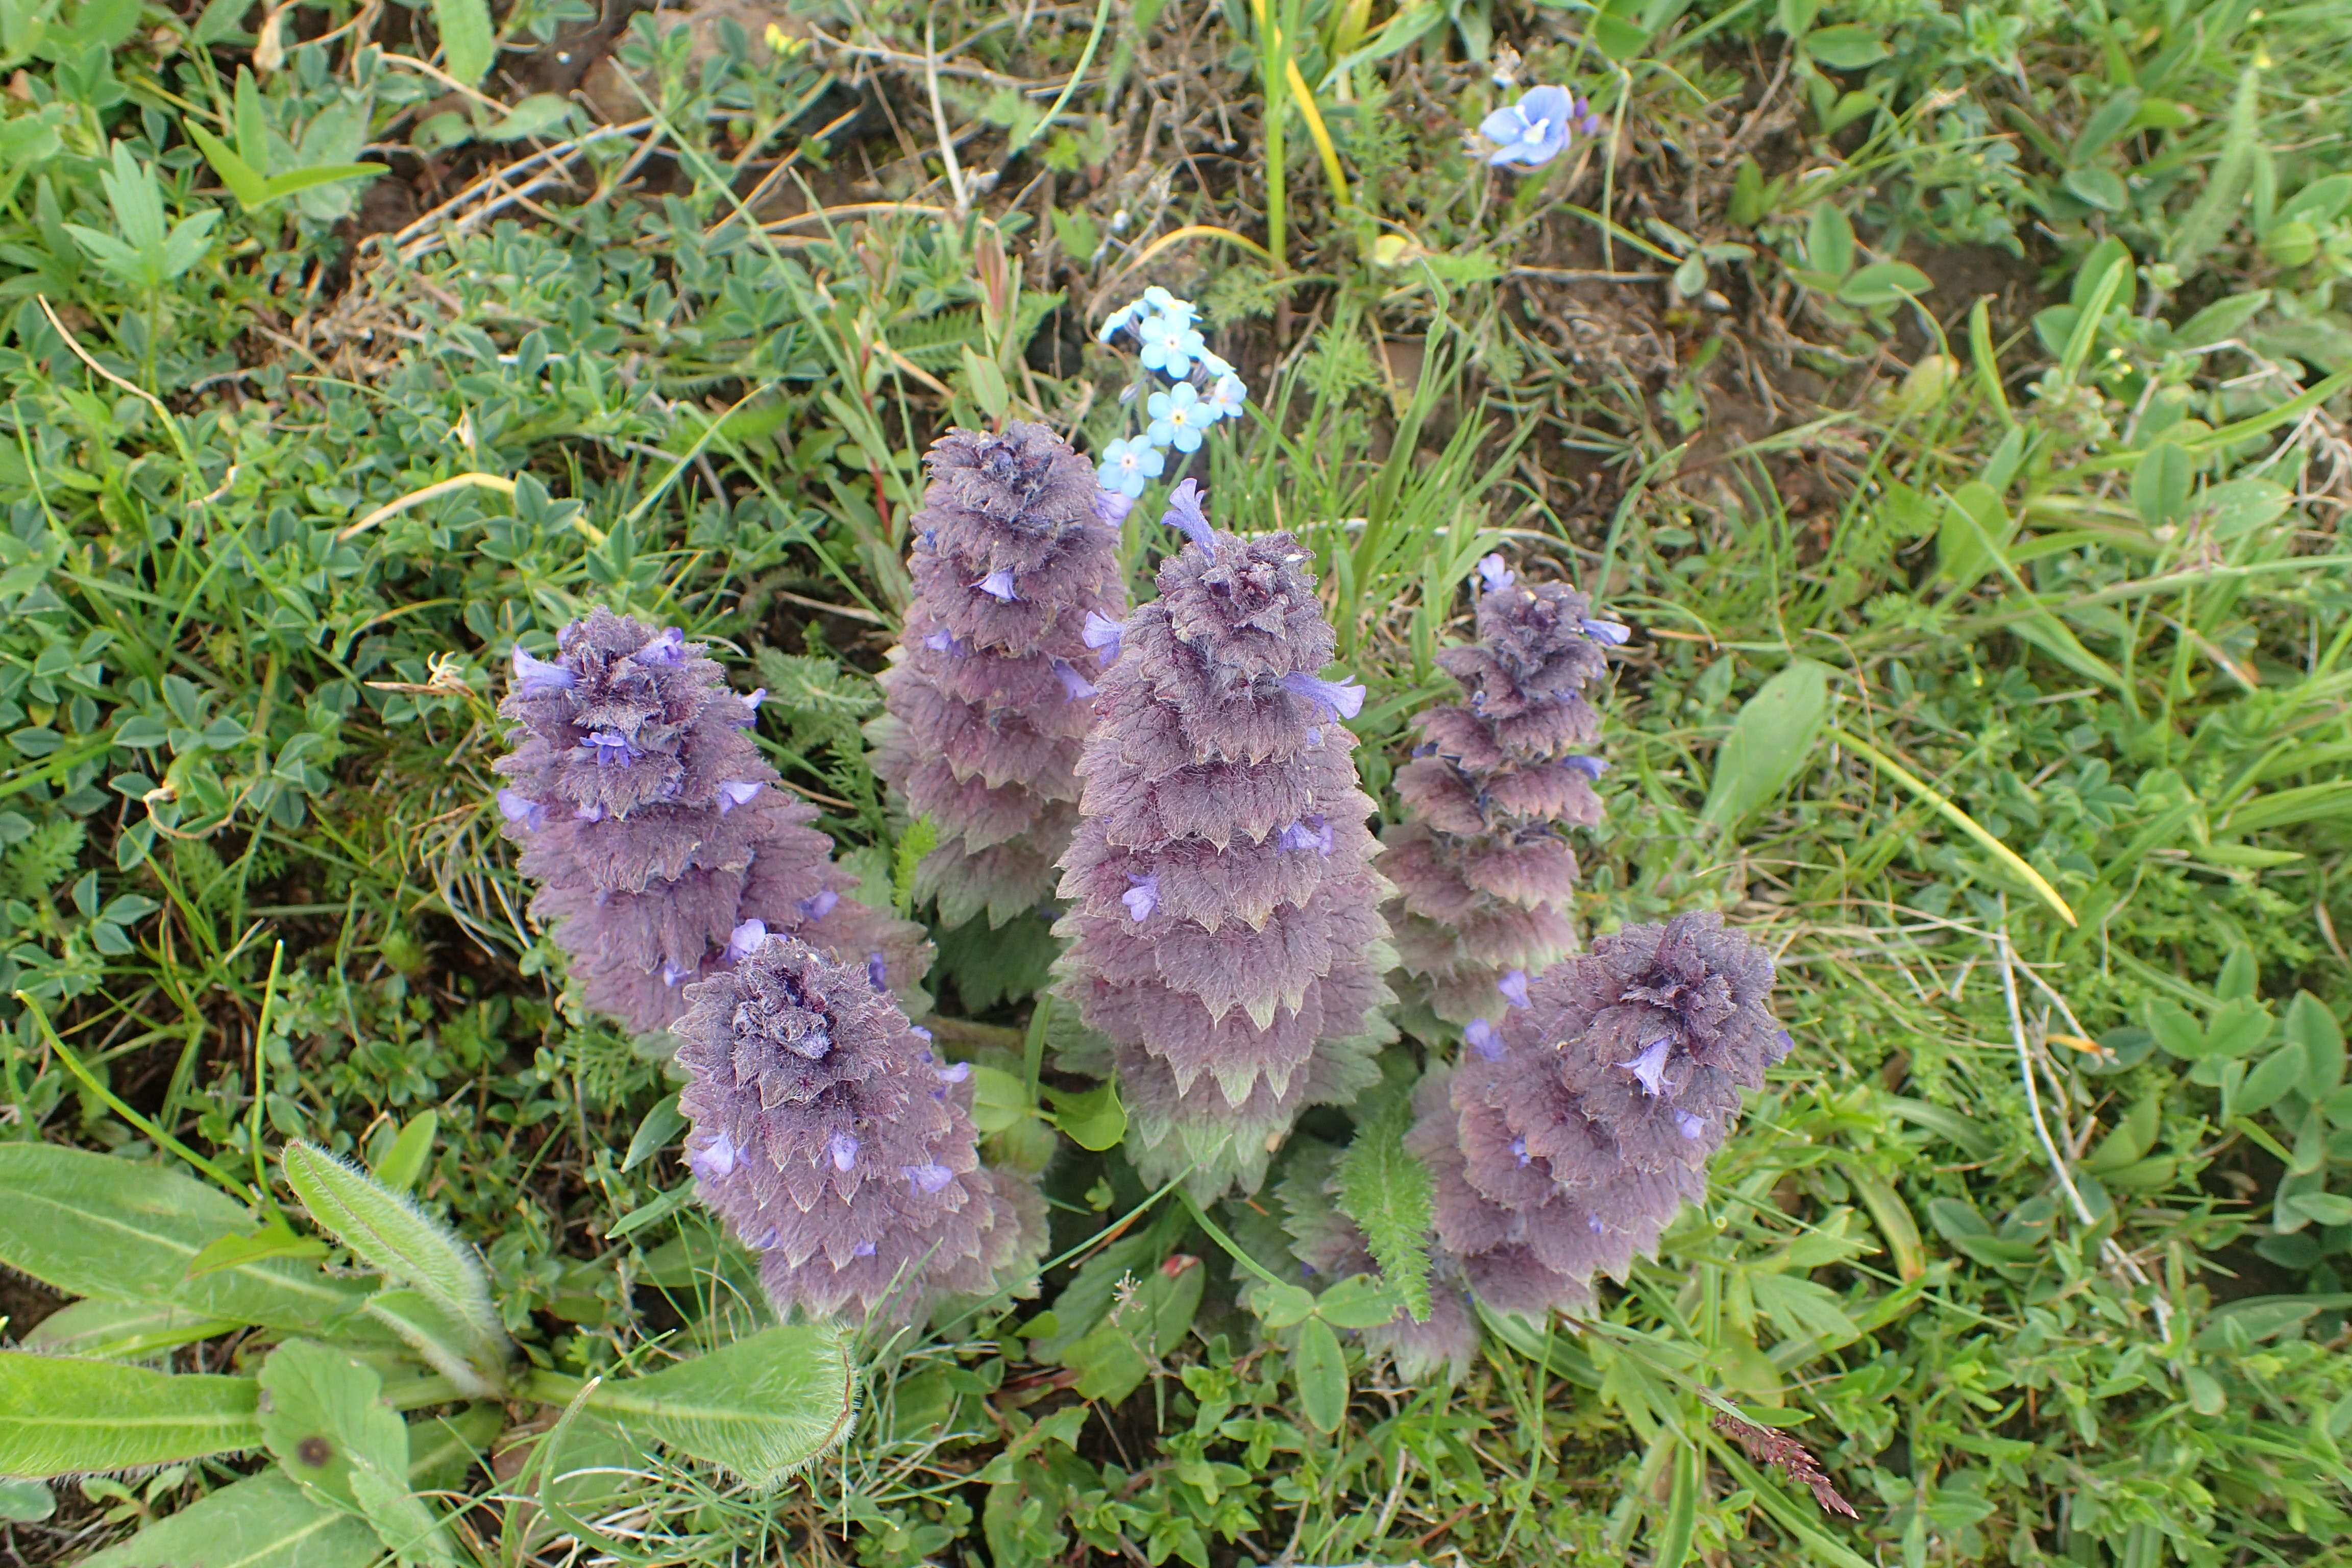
x=1514, y=987
x=929, y=1178
x=815, y=1083
x=539, y=676
x=1018, y=556
x=1480, y=1036
x=1493, y=572
x=745, y=939
x=1103, y=634
x=1649, y=1067
x=1184, y=515
x=818, y=905
x=997, y=584
x=667, y=649
x=1342, y=699
x=1610, y=632
x=1141, y=898
x=737, y=792
x=518, y=807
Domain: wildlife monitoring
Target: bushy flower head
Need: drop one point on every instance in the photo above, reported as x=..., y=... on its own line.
x=654, y=827
x=1015, y=558
x=1565, y=1144
x=834, y=1144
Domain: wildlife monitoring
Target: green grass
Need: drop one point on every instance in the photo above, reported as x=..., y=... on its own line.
x=2039, y=1241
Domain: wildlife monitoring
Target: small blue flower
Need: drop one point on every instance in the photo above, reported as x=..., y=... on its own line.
x=1141, y=898
x=1177, y=417
x=745, y=939
x=1160, y=301
x=844, y=1149
x=1111, y=507
x=947, y=642
x=1493, y=572
x=1345, y=699
x=750, y=708
x=1649, y=1067
x=1779, y=1046
x=667, y=649
x=714, y=1159
x=674, y=973
x=1103, y=634
x=1689, y=1126
x=1119, y=320
x=1532, y=131
x=818, y=905
x=1514, y=987
x=997, y=584
x=1307, y=833
x=1128, y=465
x=538, y=677
x=1482, y=1037
x=878, y=972
x=927, y=1178
x=1185, y=516
x=733, y=793
x=1169, y=346
x=612, y=748
x=1608, y=632
x=516, y=806
x=1226, y=397
x=1590, y=767
x=1074, y=684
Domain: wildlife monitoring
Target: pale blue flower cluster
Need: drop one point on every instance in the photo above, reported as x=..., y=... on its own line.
x=1205, y=389
x=1534, y=131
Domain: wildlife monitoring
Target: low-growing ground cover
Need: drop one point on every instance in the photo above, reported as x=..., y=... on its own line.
x=1947, y=402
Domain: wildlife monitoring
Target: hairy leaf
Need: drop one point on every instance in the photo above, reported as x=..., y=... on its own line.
x=266, y=1522
x=1388, y=1193
x=94, y=1225
x=64, y=1415
x=760, y=1407
x=1769, y=740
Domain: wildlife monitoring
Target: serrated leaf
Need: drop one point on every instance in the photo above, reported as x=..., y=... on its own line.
x=760, y=1407
x=266, y=1522
x=68, y=1416
x=96, y=1224
x=1388, y=1194
x=392, y=1235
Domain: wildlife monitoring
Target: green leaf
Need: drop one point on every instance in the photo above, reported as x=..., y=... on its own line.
x=266, y=1522
x=539, y=112
x=252, y=124
x=2311, y=1029
x=390, y=1234
x=1320, y=1369
x=25, y=1502
x=1094, y=1119
x=1283, y=1305
x=468, y=42
x=274, y=1239
x=1358, y=1301
x=423, y=1325
x=1670, y=1547
x=65, y=1416
x=1390, y=1195
x=247, y=185
x=2210, y=217
x=920, y=839
x=2159, y=488
x=2096, y=186
x=404, y=1162
x=999, y=1100
x=1973, y=515
x=119, y=1330
x=1829, y=241
x=1847, y=46
x=760, y=1407
x=324, y=1418
x=656, y=1133
x=97, y=1225
x=1769, y=740
x=296, y=180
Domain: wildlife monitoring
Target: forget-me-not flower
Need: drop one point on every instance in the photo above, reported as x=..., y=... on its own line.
x=1127, y=466
x=1225, y=398
x=1177, y=417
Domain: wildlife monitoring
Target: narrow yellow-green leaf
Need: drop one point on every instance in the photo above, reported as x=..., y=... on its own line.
x=1959, y=819
x=65, y=1416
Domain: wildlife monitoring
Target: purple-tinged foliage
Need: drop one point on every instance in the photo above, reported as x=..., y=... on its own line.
x=656, y=829
x=837, y=1147
x=1566, y=1153
x=1224, y=919
x=1483, y=874
x=990, y=697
